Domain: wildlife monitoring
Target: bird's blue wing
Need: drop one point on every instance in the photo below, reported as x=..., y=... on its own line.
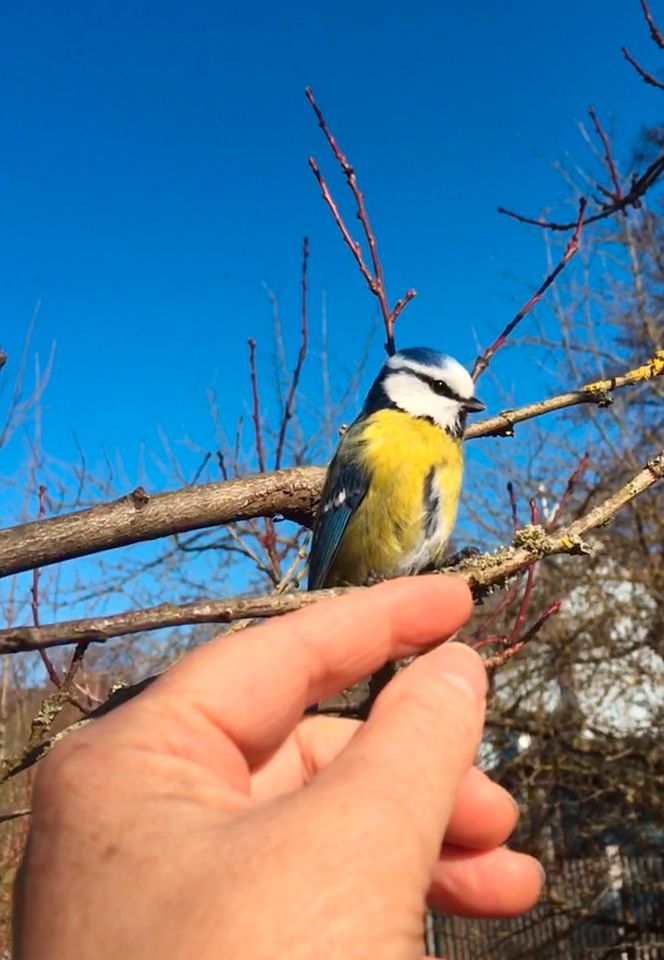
x=345, y=487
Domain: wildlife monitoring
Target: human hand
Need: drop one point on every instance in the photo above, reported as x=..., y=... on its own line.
x=208, y=819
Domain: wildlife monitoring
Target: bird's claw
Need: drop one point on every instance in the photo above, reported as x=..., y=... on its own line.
x=466, y=553
x=373, y=577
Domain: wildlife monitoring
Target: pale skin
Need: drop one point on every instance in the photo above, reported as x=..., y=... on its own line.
x=207, y=819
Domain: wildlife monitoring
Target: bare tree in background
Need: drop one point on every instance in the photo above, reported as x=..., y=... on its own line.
x=575, y=725
x=574, y=640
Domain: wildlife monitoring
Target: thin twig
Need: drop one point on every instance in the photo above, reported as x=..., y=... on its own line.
x=53, y=674
x=608, y=157
x=353, y=245
x=655, y=32
x=14, y=814
x=482, y=362
x=256, y=406
x=498, y=659
x=17, y=406
x=65, y=684
x=75, y=665
x=197, y=476
x=520, y=618
x=513, y=508
x=645, y=76
x=266, y=539
x=638, y=188
x=295, y=379
x=480, y=639
x=375, y=279
x=569, y=490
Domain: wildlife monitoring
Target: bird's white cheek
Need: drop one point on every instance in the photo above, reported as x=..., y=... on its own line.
x=446, y=413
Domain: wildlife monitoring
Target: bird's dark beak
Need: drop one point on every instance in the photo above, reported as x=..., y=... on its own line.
x=473, y=405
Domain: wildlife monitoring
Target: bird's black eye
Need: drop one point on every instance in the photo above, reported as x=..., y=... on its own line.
x=441, y=388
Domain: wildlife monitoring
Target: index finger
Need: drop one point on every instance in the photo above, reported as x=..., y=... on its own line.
x=254, y=686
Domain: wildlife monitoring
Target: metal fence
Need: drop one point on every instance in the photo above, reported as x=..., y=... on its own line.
x=608, y=908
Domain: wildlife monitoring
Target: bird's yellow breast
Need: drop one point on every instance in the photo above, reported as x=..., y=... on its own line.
x=392, y=531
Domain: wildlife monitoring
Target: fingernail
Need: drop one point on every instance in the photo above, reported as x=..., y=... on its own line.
x=542, y=872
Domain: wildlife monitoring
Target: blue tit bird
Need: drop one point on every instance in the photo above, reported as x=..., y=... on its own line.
x=391, y=493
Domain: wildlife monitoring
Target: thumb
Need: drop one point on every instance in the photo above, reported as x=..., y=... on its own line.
x=405, y=765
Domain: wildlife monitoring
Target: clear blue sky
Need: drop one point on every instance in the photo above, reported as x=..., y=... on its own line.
x=154, y=174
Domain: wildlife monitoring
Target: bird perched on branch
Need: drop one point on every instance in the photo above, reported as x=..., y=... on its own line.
x=390, y=496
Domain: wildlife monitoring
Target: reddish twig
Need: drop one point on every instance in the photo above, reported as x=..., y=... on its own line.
x=374, y=276
x=645, y=76
x=638, y=188
x=569, y=490
x=482, y=362
x=267, y=539
x=512, y=496
x=617, y=193
x=655, y=32
x=289, y=404
x=256, y=406
x=488, y=641
x=362, y=215
x=479, y=640
x=498, y=659
x=520, y=619
x=402, y=302
x=34, y=604
x=549, y=612
x=76, y=661
x=640, y=184
x=513, y=643
x=354, y=246
x=74, y=667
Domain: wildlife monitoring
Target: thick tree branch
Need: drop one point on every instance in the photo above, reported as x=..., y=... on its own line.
x=531, y=543
x=291, y=493
x=138, y=516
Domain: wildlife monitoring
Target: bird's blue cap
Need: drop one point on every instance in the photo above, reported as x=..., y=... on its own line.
x=425, y=355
